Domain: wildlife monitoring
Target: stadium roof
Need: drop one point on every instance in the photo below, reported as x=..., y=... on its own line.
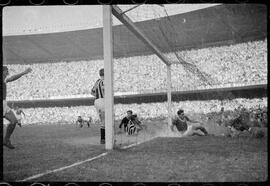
x=235, y=22
x=29, y=20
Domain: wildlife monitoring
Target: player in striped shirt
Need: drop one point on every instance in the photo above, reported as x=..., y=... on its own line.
x=7, y=112
x=98, y=92
x=131, y=123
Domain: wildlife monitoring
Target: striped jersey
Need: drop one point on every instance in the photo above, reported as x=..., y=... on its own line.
x=98, y=89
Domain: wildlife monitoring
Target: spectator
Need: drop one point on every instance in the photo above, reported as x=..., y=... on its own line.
x=132, y=74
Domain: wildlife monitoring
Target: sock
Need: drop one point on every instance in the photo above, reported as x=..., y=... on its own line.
x=9, y=131
x=102, y=134
x=203, y=130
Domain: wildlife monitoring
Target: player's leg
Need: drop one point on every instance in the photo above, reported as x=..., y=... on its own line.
x=199, y=127
x=188, y=132
x=100, y=107
x=10, y=116
x=10, y=127
x=102, y=127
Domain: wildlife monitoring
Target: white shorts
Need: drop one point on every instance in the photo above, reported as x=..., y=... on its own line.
x=190, y=130
x=100, y=104
x=6, y=108
x=100, y=107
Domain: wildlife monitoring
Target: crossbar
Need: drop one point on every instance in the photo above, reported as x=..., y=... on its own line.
x=117, y=12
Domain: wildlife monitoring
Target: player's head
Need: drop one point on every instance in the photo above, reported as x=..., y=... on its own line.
x=129, y=113
x=101, y=72
x=5, y=71
x=180, y=112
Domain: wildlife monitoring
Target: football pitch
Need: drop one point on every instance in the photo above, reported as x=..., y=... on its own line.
x=67, y=153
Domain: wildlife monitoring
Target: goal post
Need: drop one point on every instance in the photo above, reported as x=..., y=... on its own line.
x=108, y=11
x=169, y=94
x=108, y=71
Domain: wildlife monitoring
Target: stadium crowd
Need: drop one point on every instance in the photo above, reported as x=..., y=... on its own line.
x=149, y=111
x=234, y=65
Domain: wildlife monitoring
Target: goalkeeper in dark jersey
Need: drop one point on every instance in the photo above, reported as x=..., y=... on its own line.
x=185, y=128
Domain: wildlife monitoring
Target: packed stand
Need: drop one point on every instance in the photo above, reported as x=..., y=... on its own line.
x=149, y=111
x=234, y=65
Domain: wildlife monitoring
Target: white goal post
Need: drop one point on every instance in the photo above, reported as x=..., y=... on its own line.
x=108, y=11
x=108, y=71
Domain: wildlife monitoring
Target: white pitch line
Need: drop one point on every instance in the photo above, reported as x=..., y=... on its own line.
x=63, y=168
x=78, y=163
x=135, y=144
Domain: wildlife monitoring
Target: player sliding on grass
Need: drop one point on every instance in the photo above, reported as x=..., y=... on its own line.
x=131, y=123
x=8, y=113
x=186, y=126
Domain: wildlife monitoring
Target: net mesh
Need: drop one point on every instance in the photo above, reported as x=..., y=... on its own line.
x=164, y=35
x=143, y=72
x=148, y=67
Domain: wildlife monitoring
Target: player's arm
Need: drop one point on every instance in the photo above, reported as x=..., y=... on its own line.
x=193, y=121
x=19, y=75
x=172, y=126
x=93, y=90
x=122, y=122
x=137, y=121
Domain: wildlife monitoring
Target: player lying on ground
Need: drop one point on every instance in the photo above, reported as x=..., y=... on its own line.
x=80, y=122
x=8, y=113
x=186, y=126
x=131, y=123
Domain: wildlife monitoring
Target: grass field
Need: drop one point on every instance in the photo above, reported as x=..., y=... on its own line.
x=40, y=148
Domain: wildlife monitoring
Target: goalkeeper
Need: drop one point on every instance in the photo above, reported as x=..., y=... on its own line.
x=130, y=117
x=186, y=126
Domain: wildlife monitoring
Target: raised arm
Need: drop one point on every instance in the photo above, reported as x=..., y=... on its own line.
x=19, y=75
x=122, y=122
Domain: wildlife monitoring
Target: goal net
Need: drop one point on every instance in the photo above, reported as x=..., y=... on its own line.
x=151, y=59
x=144, y=42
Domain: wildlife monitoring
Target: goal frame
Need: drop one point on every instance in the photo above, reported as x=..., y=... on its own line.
x=108, y=11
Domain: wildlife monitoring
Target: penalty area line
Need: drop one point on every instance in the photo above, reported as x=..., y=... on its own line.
x=63, y=168
x=77, y=163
